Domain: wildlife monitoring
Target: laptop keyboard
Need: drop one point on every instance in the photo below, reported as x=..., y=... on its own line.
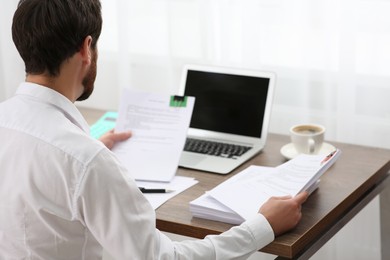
x=215, y=148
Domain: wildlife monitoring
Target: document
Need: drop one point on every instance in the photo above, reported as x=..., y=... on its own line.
x=159, y=125
x=240, y=197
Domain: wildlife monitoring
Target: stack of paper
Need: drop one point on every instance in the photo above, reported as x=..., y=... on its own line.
x=241, y=197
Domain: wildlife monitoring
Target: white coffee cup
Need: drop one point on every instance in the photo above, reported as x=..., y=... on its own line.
x=307, y=138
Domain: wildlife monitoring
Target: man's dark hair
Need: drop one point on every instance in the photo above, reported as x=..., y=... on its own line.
x=47, y=32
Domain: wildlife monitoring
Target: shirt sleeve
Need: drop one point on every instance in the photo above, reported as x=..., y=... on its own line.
x=121, y=219
x=237, y=243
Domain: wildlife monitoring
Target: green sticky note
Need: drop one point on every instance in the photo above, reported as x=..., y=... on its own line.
x=178, y=101
x=104, y=124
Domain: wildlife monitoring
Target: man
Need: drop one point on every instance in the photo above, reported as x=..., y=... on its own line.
x=63, y=194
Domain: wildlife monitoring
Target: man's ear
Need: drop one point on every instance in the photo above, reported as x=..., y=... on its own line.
x=85, y=51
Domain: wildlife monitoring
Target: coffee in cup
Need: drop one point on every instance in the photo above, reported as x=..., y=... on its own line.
x=307, y=138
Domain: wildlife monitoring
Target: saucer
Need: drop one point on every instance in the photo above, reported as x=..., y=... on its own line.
x=289, y=152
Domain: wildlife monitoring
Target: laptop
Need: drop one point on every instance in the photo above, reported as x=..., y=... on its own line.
x=230, y=119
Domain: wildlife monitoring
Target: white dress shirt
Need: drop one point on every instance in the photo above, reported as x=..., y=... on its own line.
x=64, y=195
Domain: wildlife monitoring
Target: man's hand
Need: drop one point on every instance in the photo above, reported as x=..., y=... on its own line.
x=283, y=213
x=110, y=138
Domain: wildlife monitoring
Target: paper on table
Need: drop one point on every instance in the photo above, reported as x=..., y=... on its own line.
x=208, y=207
x=178, y=184
x=246, y=196
x=159, y=132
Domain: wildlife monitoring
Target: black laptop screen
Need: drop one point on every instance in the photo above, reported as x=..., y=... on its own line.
x=227, y=103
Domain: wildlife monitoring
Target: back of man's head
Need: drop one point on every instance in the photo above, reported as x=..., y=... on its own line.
x=47, y=32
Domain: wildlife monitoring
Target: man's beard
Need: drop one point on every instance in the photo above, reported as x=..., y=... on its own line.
x=89, y=79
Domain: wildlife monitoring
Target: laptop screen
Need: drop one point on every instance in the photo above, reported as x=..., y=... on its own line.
x=227, y=103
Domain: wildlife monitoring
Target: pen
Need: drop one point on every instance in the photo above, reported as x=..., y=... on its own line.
x=328, y=157
x=145, y=190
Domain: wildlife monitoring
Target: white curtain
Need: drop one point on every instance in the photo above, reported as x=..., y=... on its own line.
x=332, y=57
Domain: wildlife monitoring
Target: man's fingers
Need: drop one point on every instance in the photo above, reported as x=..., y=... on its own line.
x=286, y=197
x=110, y=138
x=120, y=136
x=301, y=197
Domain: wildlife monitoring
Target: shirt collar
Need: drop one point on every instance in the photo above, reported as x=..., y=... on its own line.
x=55, y=99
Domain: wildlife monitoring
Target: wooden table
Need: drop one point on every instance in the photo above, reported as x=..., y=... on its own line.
x=360, y=174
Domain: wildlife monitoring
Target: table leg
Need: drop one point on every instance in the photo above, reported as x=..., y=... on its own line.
x=383, y=190
x=384, y=222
